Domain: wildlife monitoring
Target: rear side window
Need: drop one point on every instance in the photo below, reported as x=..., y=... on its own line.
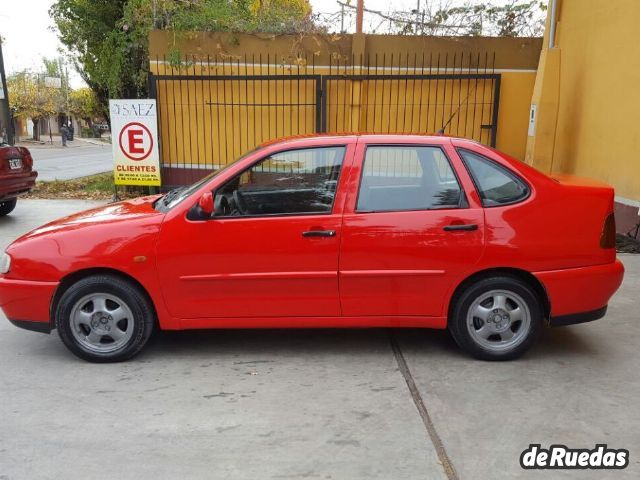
x=496, y=185
x=407, y=178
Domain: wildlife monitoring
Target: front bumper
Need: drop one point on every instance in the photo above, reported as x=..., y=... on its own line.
x=13, y=184
x=26, y=303
x=580, y=295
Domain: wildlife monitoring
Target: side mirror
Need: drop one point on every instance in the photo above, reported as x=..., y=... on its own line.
x=203, y=209
x=206, y=204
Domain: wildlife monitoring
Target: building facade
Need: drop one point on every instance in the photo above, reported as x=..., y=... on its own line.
x=583, y=118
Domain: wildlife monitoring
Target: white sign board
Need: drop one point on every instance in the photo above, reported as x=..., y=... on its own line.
x=531, y=132
x=53, y=82
x=1, y=92
x=134, y=128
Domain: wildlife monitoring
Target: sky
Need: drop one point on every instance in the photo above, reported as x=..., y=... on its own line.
x=26, y=28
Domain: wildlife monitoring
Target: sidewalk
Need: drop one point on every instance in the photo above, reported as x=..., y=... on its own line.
x=45, y=143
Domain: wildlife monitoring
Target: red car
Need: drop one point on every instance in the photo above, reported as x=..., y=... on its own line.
x=16, y=176
x=328, y=231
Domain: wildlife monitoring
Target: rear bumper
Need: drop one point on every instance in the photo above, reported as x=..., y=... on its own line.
x=581, y=294
x=33, y=326
x=26, y=303
x=574, y=318
x=12, y=184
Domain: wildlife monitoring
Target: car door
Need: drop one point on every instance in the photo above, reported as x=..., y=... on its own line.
x=270, y=249
x=410, y=232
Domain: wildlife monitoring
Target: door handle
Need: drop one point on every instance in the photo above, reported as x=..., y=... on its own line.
x=319, y=233
x=469, y=227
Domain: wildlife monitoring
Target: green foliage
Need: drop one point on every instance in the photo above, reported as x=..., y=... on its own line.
x=29, y=97
x=109, y=38
x=88, y=29
x=83, y=103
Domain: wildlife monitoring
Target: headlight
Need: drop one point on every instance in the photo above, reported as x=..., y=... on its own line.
x=5, y=262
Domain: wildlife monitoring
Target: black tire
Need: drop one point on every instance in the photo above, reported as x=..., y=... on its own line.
x=464, y=301
x=7, y=206
x=142, y=313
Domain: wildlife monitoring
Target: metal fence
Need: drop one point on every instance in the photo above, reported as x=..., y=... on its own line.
x=212, y=110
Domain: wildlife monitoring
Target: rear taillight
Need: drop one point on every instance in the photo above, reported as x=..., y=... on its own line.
x=608, y=237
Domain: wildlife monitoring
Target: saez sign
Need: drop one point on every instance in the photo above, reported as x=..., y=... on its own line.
x=134, y=130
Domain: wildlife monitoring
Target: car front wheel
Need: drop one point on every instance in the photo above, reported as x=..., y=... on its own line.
x=496, y=318
x=7, y=206
x=104, y=319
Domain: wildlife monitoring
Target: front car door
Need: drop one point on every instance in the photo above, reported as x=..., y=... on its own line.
x=411, y=230
x=271, y=248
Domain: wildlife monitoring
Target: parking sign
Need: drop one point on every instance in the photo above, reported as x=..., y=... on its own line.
x=134, y=127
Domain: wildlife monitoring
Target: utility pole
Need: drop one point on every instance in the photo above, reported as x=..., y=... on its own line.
x=359, y=16
x=5, y=113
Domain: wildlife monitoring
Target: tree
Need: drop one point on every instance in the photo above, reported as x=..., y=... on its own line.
x=109, y=38
x=501, y=18
x=87, y=29
x=31, y=98
x=56, y=68
x=83, y=103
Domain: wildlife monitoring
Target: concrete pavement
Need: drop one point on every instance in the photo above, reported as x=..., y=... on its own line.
x=80, y=159
x=325, y=404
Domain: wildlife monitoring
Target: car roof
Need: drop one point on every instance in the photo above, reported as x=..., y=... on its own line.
x=370, y=137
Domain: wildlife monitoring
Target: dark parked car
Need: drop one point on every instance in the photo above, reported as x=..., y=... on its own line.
x=16, y=176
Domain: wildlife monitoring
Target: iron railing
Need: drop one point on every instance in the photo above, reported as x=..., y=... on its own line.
x=212, y=110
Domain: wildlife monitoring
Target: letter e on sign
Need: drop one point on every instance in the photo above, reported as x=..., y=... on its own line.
x=136, y=141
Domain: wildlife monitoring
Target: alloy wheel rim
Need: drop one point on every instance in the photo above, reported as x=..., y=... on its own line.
x=101, y=322
x=498, y=320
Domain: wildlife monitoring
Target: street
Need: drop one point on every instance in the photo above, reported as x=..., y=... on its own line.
x=79, y=159
x=326, y=404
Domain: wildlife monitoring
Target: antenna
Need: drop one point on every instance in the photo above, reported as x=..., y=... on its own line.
x=465, y=102
x=441, y=131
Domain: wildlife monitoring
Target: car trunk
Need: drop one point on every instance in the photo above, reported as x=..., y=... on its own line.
x=15, y=160
x=588, y=207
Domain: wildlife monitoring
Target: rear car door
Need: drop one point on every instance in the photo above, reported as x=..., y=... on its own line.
x=270, y=250
x=410, y=230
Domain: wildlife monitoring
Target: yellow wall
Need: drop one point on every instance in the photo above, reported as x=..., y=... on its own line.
x=587, y=95
x=196, y=130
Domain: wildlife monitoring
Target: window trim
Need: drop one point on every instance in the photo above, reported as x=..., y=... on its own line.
x=508, y=172
x=463, y=203
x=295, y=214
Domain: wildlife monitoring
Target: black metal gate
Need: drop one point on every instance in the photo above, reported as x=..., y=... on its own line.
x=207, y=120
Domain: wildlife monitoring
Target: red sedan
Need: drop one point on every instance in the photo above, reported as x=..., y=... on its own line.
x=328, y=231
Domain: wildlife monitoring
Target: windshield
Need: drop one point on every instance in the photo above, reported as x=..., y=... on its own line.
x=177, y=195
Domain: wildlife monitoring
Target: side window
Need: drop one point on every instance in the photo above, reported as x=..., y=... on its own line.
x=407, y=178
x=496, y=185
x=291, y=182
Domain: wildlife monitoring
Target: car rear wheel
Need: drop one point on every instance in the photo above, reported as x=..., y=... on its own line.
x=496, y=318
x=7, y=206
x=104, y=319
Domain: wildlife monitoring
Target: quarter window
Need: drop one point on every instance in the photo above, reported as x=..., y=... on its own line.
x=290, y=182
x=496, y=185
x=407, y=178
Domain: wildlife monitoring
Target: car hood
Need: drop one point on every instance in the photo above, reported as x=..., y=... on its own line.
x=136, y=210
x=103, y=237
